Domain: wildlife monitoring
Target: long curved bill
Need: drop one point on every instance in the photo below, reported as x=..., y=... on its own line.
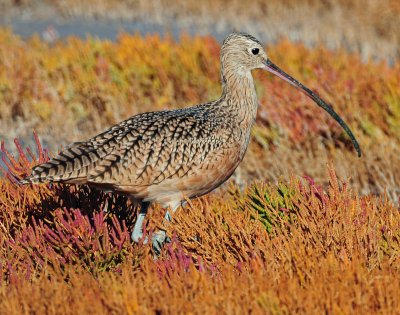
x=269, y=66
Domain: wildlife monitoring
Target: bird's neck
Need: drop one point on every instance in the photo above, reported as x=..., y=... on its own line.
x=239, y=96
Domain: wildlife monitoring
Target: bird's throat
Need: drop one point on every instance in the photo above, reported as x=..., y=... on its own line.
x=240, y=96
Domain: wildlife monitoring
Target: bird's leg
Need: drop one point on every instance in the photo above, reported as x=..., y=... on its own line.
x=105, y=206
x=137, y=233
x=160, y=237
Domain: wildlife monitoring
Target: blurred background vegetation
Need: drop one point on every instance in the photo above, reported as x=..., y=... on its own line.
x=68, y=88
x=368, y=27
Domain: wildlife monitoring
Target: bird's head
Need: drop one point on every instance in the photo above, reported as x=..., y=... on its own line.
x=241, y=53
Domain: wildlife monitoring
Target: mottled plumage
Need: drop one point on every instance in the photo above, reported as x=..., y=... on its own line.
x=167, y=156
x=171, y=151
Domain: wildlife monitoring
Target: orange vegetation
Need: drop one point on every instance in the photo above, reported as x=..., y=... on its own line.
x=76, y=88
x=299, y=240
x=285, y=248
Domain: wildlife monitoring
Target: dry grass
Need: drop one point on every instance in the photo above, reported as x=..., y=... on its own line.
x=287, y=248
x=282, y=245
x=89, y=85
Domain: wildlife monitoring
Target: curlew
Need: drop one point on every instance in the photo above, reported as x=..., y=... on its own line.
x=167, y=156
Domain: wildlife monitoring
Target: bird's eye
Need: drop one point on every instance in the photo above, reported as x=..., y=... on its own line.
x=255, y=51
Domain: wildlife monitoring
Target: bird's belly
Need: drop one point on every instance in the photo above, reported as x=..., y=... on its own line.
x=181, y=178
x=198, y=181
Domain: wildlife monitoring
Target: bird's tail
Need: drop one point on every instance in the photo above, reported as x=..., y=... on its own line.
x=70, y=166
x=26, y=180
x=34, y=179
